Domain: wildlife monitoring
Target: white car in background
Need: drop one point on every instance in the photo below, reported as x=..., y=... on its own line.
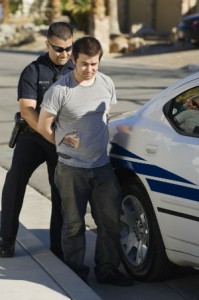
x=157, y=164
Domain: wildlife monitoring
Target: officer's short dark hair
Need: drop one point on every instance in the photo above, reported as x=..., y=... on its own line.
x=87, y=45
x=61, y=30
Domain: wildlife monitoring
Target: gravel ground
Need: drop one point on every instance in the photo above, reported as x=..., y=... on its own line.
x=165, y=54
x=173, y=55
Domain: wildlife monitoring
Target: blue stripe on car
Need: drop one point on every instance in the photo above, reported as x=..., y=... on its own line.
x=118, y=150
x=146, y=169
x=173, y=189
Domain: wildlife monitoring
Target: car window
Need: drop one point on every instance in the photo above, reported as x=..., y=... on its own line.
x=183, y=112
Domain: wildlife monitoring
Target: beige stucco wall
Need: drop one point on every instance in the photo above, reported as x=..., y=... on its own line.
x=140, y=11
x=168, y=15
x=161, y=15
x=188, y=5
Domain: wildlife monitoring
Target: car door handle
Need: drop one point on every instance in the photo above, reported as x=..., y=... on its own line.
x=151, y=149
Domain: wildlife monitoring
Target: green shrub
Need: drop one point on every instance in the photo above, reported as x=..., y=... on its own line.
x=14, y=5
x=79, y=11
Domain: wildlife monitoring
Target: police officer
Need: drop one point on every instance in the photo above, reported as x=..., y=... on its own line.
x=32, y=149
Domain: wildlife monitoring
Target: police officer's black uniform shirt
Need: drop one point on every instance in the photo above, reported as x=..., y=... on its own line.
x=38, y=76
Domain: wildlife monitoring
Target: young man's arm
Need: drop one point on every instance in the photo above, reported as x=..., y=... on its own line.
x=45, y=125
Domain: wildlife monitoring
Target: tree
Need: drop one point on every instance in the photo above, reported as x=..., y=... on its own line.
x=98, y=9
x=99, y=23
x=55, y=10
x=5, y=8
x=79, y=11
x=113, y=14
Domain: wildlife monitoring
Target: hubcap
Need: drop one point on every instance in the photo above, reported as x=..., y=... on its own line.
x=134, y=231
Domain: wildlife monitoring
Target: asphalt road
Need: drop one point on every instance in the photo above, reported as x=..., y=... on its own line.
x=136, y=79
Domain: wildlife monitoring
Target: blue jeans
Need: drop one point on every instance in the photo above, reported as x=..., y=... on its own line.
x=100, y=187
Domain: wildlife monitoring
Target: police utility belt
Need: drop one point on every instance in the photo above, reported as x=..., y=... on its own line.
x=19, y=127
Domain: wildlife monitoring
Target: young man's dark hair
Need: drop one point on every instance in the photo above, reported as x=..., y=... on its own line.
x=87, y=45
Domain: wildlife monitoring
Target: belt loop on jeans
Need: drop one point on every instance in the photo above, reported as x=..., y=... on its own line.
x=65, y=156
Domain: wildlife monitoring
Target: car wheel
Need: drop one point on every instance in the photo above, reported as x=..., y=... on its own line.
x=143, y=251
x=195, y=42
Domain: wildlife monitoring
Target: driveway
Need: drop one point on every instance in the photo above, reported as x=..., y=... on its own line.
x=155, y=52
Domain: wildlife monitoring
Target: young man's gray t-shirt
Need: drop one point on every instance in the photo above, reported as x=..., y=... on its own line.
x=81, y=115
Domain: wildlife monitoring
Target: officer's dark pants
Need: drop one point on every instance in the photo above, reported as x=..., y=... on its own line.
x=30, y=151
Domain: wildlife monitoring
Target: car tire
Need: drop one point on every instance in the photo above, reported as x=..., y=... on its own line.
x=143, y=251
x=195, y=43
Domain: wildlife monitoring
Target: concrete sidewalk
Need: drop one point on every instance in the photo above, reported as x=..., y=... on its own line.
x=34, y=273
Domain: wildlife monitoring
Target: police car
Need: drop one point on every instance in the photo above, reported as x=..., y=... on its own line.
x=157, y=164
